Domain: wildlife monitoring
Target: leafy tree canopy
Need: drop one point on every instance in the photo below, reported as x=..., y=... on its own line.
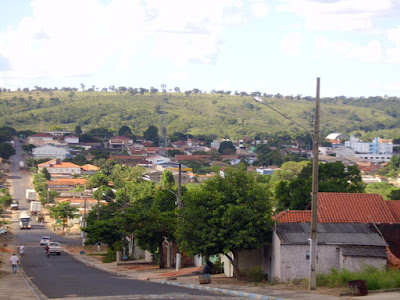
x=6, y=150
x=333, y=177
x=226, y=214
x=64, y=210
x=227, y=148
x=151, y=134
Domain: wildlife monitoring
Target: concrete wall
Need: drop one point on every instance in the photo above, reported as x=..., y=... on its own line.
x=295, y=261
x=275, y=258
x=356, y=263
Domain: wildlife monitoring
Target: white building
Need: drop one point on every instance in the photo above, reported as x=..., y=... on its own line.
x=48, y=151
x=39, y=139
x=71, y=139
x=377, y=146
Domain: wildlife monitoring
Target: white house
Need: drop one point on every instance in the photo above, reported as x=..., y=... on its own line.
x=56, y=167
x=340, y=245
x=71, y=139
x=48, y=151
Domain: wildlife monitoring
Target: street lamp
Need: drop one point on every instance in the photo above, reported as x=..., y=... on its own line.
x=314, y=197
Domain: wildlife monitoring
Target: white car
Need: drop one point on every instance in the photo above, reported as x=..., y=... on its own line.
x=54, y=247
x=44, y=241
x=3, y=231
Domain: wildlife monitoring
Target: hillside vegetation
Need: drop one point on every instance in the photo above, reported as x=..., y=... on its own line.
x=230, y=116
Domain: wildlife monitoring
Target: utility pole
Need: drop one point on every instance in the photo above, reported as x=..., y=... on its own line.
x=180, y=206
x=84, y=222
x=314, y=200
x=98, y=219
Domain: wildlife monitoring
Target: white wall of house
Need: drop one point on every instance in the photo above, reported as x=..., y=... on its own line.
x=344, y=151
x=295, y=261
x=356, y=263
x=71, y=139
x=275, y=258
x=64, y=170
x=49, y=152
x=375, y=157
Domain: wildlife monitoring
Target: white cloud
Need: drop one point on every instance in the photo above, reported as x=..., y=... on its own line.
x=74, y=37
x=344, y=15
x=372, y=52
x=393, y=53
x=291, y=44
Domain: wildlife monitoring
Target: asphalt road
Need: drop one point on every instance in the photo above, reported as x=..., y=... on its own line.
x=63, y=276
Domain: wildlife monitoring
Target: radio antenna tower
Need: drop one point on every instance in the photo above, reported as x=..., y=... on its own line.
x=163, y=138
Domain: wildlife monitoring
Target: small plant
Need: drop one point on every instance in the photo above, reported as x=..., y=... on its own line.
x=255, y=274
x=218, y=267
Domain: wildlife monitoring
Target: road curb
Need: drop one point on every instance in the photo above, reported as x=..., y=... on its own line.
x=185, y=285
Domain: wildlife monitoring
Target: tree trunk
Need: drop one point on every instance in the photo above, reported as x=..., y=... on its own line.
x=161, y=253
x=235, y=263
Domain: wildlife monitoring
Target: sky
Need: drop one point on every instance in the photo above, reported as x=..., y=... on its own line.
x=271, y=46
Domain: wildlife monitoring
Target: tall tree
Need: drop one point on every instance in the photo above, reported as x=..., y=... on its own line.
x=227, y=148
x=151, y=134
x=333, y=177
x=226, y=214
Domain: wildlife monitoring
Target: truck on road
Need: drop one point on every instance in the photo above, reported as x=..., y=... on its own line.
x=21, y=165
x=30, y=195
x=35, y=207
x=24, y=220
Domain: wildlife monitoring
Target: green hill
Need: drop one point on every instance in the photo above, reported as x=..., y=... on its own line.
x=231, y=116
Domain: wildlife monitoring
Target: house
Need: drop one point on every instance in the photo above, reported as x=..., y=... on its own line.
x=89, y=169
x=71, y=139
x=65, y=184
x=340, y=245
x=353, y=229
x=56, y=167
x=157, y=159
x=40, y=139
x=120, y=142
x=48, y=151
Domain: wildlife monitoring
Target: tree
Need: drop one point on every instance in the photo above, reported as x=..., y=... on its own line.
x=177, y=89
x=167, y=179
x=98, y=179
x=151, y=134
x=6, y=150
x=226, y=214
x=46, y=174
x=109, y=194
x=82, y=87
x=227, y=148
x=333, y=177
x=107, y=231
x=64, y=211
x=125, y=131
x=154, y=220
x=78, y=130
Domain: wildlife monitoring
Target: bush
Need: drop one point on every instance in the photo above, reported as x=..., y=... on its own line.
x=376, y=279
x=218, y=267
x=255, y=274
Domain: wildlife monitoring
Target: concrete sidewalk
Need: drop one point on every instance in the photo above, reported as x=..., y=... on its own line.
x=13, y=286
x=187, y=277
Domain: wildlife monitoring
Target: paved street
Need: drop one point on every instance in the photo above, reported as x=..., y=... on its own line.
x=63, y=276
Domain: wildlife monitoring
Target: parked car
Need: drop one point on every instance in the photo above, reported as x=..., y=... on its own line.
x=55, y=247
x=3, y=231
x=44, y=241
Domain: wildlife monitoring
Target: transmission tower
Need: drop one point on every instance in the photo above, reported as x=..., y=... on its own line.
x=163, y=138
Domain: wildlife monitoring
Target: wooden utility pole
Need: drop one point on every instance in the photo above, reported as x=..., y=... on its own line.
x=178, y=259
x=314, y=201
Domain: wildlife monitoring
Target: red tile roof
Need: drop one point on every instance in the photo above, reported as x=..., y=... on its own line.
x=294, y=216
x=354, y=208
x=394, y=207
x=348, y=208
x=89, y=167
